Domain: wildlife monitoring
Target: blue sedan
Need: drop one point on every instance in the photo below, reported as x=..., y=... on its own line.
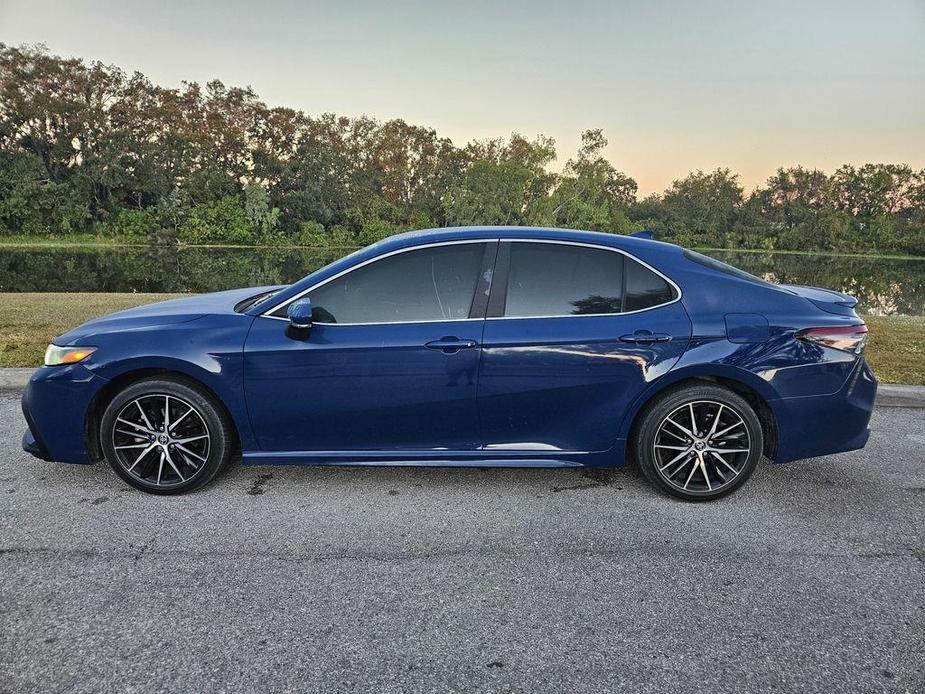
x=468, y=347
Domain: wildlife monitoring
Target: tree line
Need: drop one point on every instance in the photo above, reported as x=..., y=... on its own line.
x=88, y=148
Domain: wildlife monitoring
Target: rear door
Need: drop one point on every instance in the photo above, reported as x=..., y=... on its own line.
x=574, y=333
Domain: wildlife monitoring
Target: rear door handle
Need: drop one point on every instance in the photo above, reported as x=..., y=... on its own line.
x=451, y=345
x=641, y=336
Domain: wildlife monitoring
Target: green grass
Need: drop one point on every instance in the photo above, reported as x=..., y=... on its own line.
x=52, y=241
x=28, y=322
x=896, y=351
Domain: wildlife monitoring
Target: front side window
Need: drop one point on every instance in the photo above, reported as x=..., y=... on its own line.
x=427, y=284
x=547, y=279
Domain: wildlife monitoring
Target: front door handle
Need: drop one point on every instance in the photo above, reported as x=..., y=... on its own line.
x=644, y=336
x=451, y=345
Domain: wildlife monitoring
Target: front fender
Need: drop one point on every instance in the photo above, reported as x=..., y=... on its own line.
x=208, y=350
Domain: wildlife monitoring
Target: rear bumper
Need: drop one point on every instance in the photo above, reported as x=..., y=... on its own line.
x=55, y=404
x=825, y=424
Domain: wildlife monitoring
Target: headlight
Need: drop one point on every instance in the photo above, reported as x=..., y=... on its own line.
x=55, y=355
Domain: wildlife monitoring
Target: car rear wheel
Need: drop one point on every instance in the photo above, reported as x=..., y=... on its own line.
x=699, y=442
x=165, y=436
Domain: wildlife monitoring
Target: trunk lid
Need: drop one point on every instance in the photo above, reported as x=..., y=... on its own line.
x=828, y=300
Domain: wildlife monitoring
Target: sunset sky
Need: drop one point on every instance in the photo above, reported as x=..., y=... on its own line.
x=676, y=86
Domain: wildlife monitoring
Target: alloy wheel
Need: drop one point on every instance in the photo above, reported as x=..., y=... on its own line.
x=701, y=446
x=161, y=440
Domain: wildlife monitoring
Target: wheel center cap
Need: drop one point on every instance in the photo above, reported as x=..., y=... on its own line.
x=163, y=438
x=699, y=445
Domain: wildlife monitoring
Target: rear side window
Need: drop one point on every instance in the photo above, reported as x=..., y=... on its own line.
x=547, y=279
x=645, y=289
x=429, y=284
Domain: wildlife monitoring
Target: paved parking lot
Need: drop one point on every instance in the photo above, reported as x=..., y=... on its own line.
x=810, y=578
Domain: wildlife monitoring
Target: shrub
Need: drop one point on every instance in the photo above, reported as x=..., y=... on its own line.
x=311, y=234
x=222, y=221
x=375, y=230
x=341, y=237
x=134, y=223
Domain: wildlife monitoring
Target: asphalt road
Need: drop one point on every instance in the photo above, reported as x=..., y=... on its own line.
x=810, y=578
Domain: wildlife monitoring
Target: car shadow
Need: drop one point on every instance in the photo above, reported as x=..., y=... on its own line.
x=393, y=480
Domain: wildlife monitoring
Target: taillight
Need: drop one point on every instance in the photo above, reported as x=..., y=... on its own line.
x=849, y=338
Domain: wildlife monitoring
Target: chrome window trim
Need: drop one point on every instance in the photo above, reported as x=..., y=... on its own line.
x=266, y=314
x=671, y=282
x=585, y=244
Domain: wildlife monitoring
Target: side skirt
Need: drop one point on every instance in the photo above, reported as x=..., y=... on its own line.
x=509, y=459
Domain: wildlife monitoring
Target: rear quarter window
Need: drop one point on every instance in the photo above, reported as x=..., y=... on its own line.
x=644, y=288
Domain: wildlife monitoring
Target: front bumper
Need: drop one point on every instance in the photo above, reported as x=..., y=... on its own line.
x=826, y=424
x=55, y=404
x=31, y=445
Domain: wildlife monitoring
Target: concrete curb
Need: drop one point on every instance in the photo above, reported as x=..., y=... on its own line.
x=888, y=394
x=14, y=379
x=893, y=395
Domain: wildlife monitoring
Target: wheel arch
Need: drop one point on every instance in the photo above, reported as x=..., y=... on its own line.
x=105, y=395
x=755, y=391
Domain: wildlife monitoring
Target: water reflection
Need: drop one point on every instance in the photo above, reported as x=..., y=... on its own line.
x=883, y=286
x=154, y=269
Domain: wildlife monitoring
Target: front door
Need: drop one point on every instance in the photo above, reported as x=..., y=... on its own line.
x=573, y=334
x=389, y=364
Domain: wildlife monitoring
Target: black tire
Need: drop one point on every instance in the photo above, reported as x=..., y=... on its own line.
x=133, y=422
x=712, y=466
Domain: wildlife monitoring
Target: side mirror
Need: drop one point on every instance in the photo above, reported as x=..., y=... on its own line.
x=300, y=314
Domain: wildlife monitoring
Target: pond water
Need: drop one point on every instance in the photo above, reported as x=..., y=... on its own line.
x=882, y=285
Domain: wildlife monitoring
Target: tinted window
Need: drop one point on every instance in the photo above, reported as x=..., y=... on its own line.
x=548, y=279
x=430, y=284
x=644, y=288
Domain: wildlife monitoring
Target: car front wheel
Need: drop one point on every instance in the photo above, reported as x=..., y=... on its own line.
x=699, y=442
x=165, y=436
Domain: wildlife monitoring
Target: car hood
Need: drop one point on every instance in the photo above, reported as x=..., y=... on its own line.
x=162, y=313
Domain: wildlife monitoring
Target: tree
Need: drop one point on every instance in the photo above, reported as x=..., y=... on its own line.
x=591, y=193
x=790, y=212
x=412, y=167
x=700, y=209
x=30, y=203
x=503, y=183
x=86, y=147
x=871, y=197
x=257, y=211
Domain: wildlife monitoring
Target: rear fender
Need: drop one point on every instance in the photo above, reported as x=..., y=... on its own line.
x=681, y=373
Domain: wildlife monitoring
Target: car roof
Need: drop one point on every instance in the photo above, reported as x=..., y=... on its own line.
x=424, y=236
